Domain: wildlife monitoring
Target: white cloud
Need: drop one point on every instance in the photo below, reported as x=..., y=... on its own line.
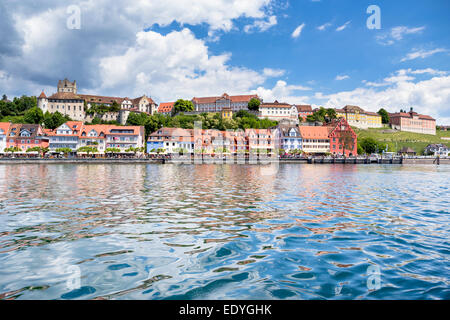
x=268, y=72
x=324, y=26
x=283, y=93
x=261, y=25
x=298, y=31
x=428, y=71
x=156, y=64
x=48, y=51
x=397, y=34
x=422, y=54
x=343, y=77
x=344, y=26
x=430, y=96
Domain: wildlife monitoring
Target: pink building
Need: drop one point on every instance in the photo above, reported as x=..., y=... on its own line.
x=413, y=122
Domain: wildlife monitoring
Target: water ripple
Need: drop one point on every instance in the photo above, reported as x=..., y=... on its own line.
x=224, y=232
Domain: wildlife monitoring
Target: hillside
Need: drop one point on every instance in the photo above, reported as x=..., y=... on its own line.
x=397, y=140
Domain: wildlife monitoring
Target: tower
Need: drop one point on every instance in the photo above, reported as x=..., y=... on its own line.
x=67, y=86
x=42, y=102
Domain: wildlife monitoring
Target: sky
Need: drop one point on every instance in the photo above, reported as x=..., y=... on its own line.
x=318, y=52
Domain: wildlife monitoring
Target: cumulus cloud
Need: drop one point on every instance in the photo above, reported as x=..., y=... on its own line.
x=37, y=48
x=156, y=64
x=298, y=31
x=400, y=90
x=268, y=72
x=283, y=92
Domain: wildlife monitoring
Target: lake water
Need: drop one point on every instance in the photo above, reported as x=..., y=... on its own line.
x=224, y=232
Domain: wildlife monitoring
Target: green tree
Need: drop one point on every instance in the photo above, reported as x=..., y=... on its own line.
x=54, y=120
x=330, y=114
x=112, y=150
x=254, y=104
x=369, y=145
x=182, y=106
x=33, y=116
x=88, y=150
x=384, y=115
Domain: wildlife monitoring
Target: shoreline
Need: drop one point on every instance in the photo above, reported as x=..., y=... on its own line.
x=353, y=161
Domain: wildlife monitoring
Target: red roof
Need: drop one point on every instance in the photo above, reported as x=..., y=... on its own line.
x=310, y=132
x=166, y=107
x=410, y=115
x=42, y=96
x=275, y=104
x=4, y=126
x=241, y=98
x=304, y=108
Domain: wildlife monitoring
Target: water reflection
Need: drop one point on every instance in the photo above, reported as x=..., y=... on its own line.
x=223, y=231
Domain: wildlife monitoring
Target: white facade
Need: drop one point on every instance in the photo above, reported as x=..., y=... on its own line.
x=278, y=112
x=64, y=138
x=3, y=137
x=291, y=140
x=316, y=145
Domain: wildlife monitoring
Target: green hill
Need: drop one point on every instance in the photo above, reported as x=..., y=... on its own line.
x=397, y=140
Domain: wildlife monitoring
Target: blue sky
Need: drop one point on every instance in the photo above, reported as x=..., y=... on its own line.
x=181, y=49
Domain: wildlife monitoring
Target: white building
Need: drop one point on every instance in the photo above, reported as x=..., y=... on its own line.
x=4, y=129
x=278, y=111
x=315, y=140
x=65, y=136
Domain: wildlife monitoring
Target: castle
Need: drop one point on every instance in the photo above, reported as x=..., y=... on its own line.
x=82, y=107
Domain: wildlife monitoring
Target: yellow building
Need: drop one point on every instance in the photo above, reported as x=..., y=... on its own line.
x=227, y=113
x=359, y=118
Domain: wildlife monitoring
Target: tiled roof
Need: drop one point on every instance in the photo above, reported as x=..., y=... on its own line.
x=34, y=129
x=101, y=99
x=42, y=96
x=310, y=132
x=165, y=107
x=65, y=96
x=408, y=115
x=241, y=98
x=137, y=100
x=4, y=126
x=275, y=104
x=304, y=108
